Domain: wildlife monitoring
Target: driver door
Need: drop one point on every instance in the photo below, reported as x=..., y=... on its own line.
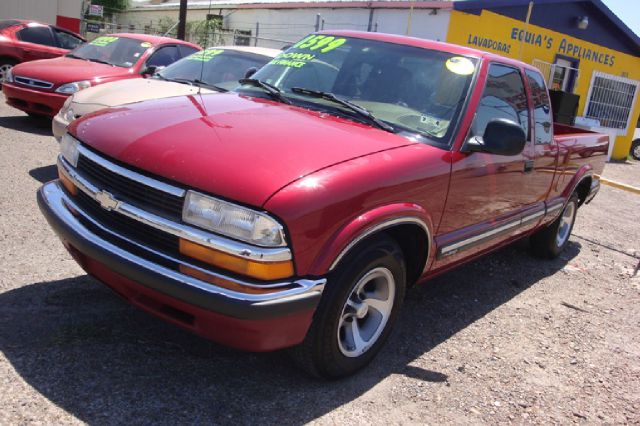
x=486, y=194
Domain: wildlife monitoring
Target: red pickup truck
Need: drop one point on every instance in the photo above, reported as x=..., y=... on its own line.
x=296, y=211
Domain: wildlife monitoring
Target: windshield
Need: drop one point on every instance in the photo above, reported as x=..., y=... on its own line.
x=214, y=67
x=415, y=90
x=118, y=51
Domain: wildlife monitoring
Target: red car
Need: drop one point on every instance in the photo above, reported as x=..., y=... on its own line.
x=23, y=41
x=298, y=210
x=41, y=87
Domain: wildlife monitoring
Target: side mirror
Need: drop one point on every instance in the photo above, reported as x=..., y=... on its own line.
x=501, y=137
x=249, y=72
x=152, y=69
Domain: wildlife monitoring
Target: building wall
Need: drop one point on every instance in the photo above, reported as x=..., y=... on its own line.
x=500, y=34
x=65, y=13
x=293, y=24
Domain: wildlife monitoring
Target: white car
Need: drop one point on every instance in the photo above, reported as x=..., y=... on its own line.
x=216, y=69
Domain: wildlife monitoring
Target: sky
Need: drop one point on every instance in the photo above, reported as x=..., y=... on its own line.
x=627, y=11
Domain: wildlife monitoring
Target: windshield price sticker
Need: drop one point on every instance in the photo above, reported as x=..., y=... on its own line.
x=460, y=65
x=103, y=41
x=322, y=42
x=145, y=44
x=205, y=55
x=315, y=43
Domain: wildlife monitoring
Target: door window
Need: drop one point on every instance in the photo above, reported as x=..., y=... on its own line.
x=164, y=56
x=186, y=50
x=541, y=108
x=503, y=97
x=38, y=35
x=66, y=40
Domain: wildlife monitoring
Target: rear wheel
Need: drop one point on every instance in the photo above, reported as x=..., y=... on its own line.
x=635, y=149
x=357, y=312
x=549, y=242
x=5, y=66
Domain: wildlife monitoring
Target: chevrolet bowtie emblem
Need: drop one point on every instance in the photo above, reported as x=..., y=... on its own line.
x=106, y=200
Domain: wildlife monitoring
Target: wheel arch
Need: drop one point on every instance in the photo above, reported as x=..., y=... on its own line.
x=407, y=224
x=9, y=58
x=580, y=184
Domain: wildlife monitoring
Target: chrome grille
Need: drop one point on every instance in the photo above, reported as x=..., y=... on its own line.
x=32, y=82
x=100, y=171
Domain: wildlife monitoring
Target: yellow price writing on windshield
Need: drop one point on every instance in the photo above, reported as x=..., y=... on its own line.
x=322, y=42
x=103, y=41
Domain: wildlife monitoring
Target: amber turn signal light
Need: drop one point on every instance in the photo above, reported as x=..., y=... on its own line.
x=68, y=184
x=221, y=282
x=250, y=268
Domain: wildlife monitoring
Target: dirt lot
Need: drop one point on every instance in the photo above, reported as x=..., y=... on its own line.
x=504, y=339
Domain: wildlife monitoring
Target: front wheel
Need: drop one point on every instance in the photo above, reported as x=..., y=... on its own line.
x=357, y=312
x=635, y=149
x=549, y=242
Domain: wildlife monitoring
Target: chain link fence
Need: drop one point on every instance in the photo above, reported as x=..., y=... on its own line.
x=204, y=33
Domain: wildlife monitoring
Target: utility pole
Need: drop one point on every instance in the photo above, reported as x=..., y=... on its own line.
x=182, y=19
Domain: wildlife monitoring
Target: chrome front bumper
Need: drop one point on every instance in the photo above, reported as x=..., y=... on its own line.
x=294, y=296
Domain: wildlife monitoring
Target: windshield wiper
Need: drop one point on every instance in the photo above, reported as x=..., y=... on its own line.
x=100, y=61
x=267, y=87
x=71, y=55
x=362, y=112
x=212, y=86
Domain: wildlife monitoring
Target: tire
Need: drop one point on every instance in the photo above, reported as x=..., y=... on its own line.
x=329, y=350
x=635, y=149
x=549, y=242
x=5, y=65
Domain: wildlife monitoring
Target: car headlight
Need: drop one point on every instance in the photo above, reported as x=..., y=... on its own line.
x=8, y=76
x=69, y=149
x=74, y=87
x=232, y=220
x=69, y=115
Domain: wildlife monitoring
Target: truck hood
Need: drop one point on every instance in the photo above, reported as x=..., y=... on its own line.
x=66, y=70
x=240, y=148
x=133, y=90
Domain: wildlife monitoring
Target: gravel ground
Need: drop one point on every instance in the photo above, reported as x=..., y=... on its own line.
x=505, y=339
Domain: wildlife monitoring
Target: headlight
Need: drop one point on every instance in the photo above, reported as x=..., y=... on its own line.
x=8, y=76
x=232, y=220
x=74, y=87
x=69, y=149
x=69, y=115
x=66, y=112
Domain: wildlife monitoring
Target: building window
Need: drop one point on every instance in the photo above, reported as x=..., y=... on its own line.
x=610, y=100
x=242, y=37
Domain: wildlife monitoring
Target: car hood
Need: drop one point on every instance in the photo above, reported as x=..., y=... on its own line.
x=134, y=90
x=66, y=70
x=240, y=148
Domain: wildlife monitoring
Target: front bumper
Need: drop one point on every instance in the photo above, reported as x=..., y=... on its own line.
x=33, y=101
x=257, y=322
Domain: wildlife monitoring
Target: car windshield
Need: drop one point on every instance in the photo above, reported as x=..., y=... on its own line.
x=214, y=67
x=418, y=92
x=118, y=51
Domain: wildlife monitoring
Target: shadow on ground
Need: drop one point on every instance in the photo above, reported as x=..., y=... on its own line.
x=103, y=361
x=45, y=173
x=23, y=123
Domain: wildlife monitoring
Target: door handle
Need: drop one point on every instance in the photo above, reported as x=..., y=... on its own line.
x=528, y=166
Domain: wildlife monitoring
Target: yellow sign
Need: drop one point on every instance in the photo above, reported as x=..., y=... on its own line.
x=515, y=39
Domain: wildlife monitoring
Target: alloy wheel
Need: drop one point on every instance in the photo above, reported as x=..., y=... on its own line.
x=366, y=312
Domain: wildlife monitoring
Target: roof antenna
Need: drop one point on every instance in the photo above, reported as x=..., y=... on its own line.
x=206, y=46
